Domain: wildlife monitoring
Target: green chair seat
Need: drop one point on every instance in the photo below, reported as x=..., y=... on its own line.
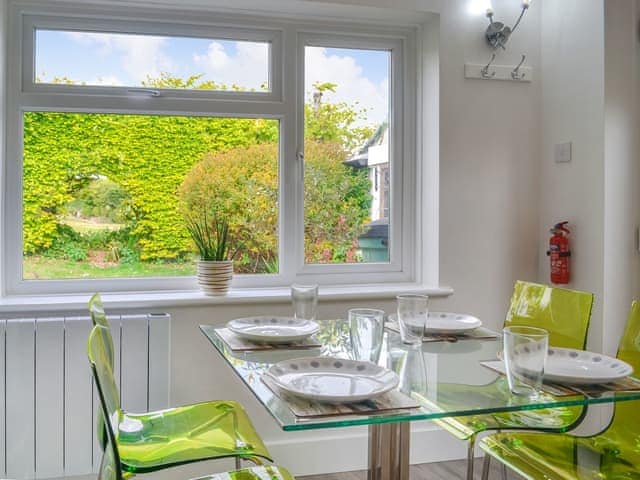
x=613, y=454
x=217, y=429
x=565, y=314
x=254, y=473
x=558, y=456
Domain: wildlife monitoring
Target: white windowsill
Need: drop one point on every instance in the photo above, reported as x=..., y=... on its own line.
x=159, y=299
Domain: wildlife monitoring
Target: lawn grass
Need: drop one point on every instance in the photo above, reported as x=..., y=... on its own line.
x=44, y=268
x=82, y=225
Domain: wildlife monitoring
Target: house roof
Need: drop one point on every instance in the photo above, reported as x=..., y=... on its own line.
x=360, y=159
x=377, y=229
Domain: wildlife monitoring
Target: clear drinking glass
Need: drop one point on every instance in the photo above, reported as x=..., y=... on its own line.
x=305, y=301
x=366, y=329
x=525, y=353
x=412, y=317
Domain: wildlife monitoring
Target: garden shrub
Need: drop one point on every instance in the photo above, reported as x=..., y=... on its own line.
x=241, y=185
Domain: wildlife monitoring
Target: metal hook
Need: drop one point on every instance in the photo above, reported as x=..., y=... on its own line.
x=515, y=73
x=484, y=71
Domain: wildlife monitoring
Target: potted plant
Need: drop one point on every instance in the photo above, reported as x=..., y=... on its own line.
x=215, y=268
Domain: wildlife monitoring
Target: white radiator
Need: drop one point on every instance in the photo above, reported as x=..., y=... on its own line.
x=48, y=403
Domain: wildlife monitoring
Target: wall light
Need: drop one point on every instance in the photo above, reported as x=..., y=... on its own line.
x=498, y=33
x=478, y=7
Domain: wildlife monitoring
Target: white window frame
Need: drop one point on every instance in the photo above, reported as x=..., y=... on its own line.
x=284, y=102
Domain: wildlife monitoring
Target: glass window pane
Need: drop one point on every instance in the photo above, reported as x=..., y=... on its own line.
x=125, y=60
x=106, y=195
x=347, y=157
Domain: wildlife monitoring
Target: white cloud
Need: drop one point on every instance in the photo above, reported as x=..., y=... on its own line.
x=140, y=55
x=352, y=86
x=248, y=68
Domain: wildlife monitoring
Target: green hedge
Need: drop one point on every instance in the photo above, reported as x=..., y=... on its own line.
x=148, y=156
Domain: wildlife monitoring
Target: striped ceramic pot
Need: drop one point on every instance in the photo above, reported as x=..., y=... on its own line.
x=214, y=277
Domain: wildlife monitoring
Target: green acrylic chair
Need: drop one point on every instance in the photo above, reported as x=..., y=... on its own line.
x=99, y=317
x=565, y=314
x=613, y=454
x=156, y=440
x=112, y=466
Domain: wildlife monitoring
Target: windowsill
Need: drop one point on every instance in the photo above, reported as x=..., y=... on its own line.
x=170, y=299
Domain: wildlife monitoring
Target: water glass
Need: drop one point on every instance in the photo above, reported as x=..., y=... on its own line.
x=413, y=373
x=366, y=329
x=305, y=301
x=412, y=317
x=525, y=353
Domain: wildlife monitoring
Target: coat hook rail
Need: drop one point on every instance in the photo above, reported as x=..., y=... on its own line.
x=491, y=71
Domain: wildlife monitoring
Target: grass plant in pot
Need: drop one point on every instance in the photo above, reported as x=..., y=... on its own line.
x=215, y=267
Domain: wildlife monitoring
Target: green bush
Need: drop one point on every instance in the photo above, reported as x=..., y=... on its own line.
x=241, y=186
x=67, y=244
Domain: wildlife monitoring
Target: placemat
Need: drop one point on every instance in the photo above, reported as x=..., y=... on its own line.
x=625, y=384
x=476, y=334
x=236, y=343
x=390, y=401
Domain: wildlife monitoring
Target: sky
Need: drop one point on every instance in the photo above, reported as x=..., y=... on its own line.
x=362, y=76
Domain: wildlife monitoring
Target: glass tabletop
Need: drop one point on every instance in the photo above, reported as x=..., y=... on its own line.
x=444, y=377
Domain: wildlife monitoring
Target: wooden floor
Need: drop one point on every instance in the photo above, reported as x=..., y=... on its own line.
x=428, y=471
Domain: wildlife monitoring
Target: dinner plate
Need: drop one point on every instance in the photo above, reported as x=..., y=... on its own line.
x=332, y=380
x=446, y=323
x=566, y=365
x=270, y=329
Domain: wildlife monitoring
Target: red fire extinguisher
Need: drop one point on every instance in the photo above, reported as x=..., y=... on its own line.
x=559, y=254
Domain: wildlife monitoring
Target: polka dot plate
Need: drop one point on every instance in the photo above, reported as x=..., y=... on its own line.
x=271, y=329
x=569, y=366
x=447, y=323
x=332, y=380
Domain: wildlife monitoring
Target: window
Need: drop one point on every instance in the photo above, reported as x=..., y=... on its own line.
x=127, y=60
x=120, y=129
x=346, y=146
x=103, y=194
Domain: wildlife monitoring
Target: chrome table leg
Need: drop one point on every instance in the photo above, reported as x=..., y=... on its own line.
x=389, y=451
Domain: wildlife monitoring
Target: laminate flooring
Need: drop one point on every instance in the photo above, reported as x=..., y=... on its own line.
x=428, y=471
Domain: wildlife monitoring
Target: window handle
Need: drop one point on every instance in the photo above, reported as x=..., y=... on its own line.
x=300, y=158
x=149, y=91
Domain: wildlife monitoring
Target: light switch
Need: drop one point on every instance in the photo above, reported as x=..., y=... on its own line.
x=563, y=152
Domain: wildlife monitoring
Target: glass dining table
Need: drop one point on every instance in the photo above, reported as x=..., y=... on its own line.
x=445, y=378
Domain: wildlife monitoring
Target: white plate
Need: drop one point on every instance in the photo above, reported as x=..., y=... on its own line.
x=332, y=380
x=566, y=365
x=270, y=329
x=444, y=323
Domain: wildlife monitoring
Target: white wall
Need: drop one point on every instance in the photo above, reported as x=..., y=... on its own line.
x=573, y=110
x=489, y=154
x=589, y=77
x=622, y=168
